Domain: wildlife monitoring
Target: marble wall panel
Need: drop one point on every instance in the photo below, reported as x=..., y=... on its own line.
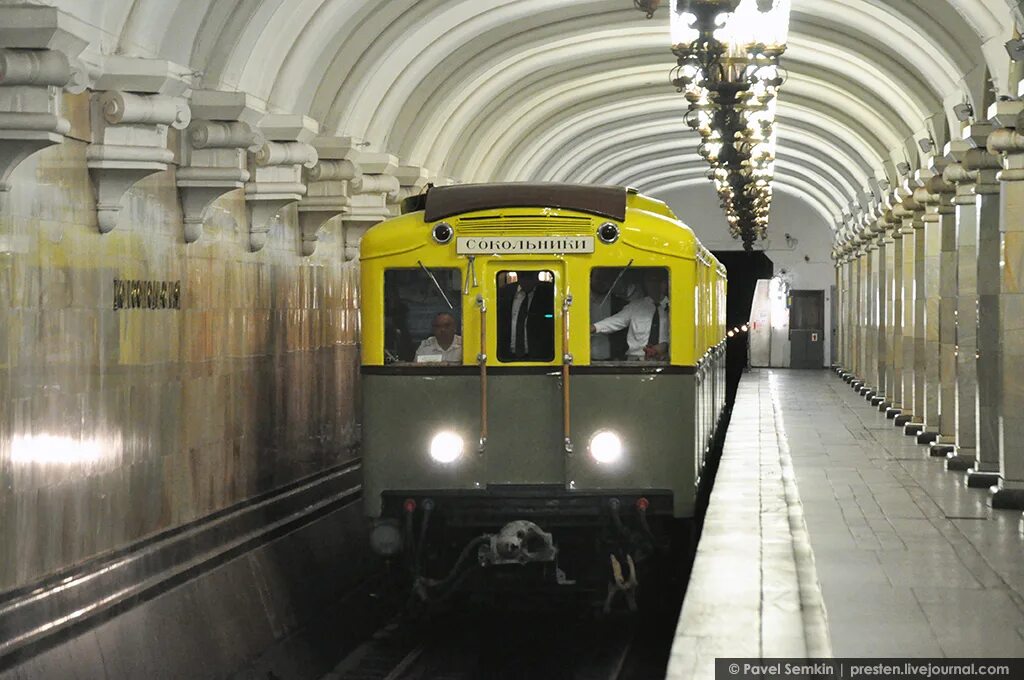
x=116, y=424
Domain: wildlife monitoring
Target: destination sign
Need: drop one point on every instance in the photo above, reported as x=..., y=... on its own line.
x=523, y=245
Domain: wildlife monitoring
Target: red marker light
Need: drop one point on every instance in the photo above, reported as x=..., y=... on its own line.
x=642, y=504
x=409, y=505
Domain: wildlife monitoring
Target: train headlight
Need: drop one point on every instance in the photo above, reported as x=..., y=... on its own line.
x=608, y=232
x=442, y=232
x=606, y=447
x=446, y=447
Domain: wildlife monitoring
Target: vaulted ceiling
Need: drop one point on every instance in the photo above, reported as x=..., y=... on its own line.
x=578, y=90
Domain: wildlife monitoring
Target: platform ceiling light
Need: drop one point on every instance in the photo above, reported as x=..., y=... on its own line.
x=927, y=144
x=648, y=7
x=1015, y=48
x=963, y=112
x=727, y=55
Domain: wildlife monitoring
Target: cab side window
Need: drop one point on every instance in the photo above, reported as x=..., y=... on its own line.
x=422, y=316
x=629, y=314
x=526, y=315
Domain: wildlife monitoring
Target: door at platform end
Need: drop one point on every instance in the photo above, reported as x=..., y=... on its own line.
x=807, y=329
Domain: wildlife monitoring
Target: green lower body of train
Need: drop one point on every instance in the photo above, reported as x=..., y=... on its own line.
x=522, y=502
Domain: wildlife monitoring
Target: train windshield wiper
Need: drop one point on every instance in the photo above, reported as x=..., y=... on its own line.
x=616, y=282
x=436, y=284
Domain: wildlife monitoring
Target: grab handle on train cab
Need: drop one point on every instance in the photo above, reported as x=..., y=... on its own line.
x=481, y=358
x=566, y=362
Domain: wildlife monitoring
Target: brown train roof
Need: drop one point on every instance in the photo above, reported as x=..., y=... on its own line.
x=441, y=202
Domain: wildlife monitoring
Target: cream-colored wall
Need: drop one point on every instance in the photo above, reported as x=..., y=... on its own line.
x=807, y=262
x=115, y=424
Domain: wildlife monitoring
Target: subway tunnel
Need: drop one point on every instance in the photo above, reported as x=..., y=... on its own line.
x=185, y=186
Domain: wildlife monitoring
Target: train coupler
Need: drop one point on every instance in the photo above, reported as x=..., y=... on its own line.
x=518, y=542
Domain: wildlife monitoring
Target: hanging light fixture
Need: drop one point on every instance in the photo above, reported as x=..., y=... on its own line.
x=728, y=69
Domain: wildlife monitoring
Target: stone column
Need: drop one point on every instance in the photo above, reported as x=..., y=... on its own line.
x=917, y=293
x=927, y=308
x=896, y=322
x=1009, y=301
x=969, y=175
x=986, y=470
x=942, y=218
x=908, y=328
x=863, y=311
x=840, y=321
x=884, y=242
x=877, y=321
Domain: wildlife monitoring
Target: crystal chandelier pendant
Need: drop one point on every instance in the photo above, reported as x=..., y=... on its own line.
x=728, y=70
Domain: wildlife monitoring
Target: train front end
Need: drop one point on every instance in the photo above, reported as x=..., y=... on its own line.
x=503, y=438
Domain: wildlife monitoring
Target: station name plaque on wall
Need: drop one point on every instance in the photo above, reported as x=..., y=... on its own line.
x=137, y=294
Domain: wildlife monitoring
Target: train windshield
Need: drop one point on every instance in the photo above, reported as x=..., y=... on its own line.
x=629, y=308
x=422, y=316
x=526, y=315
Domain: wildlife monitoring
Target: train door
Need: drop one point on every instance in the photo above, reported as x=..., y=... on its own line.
x=524, y=389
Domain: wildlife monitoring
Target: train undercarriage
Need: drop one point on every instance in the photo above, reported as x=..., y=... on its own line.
x=531, y=545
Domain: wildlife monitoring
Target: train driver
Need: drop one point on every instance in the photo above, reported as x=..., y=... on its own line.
x=646, y=319
x=444, y=345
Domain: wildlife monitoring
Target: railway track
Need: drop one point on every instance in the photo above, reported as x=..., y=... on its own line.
x=495, y=646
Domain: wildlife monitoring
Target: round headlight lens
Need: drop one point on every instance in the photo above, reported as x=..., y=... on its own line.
x=608, y=232
x=446, y=447
x=606, y=447
x=443, y=232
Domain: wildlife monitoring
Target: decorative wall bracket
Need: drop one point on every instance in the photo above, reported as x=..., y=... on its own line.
x=327, y=198
x=129, y=143
x=411, y=179
x=217, y=163
x=276, y=182
x=39, y=62
x=371, y=193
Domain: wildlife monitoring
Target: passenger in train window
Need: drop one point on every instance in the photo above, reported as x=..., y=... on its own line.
x=445, y=345
x=646, y=319
x=526, y=316
x=412, y=298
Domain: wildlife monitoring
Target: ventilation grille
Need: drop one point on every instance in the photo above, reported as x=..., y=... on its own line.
x=526, y=225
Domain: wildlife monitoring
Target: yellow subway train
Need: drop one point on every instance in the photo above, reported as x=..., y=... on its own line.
x=543, y=373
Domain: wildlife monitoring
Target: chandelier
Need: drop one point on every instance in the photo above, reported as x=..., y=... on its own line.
x=728, y=69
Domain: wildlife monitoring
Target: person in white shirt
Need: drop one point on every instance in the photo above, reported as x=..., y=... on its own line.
x=444, y=345
x=647, y=320
x=600, y=308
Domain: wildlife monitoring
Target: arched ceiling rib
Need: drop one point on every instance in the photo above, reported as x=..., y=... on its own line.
x=529, y=89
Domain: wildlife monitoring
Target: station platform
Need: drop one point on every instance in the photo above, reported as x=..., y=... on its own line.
x=831, y=533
